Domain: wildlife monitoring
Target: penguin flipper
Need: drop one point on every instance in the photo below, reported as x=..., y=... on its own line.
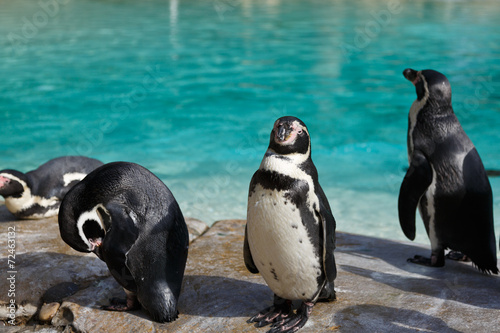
x=247, y=255
x=329, y=225
x=416, y=181
x=120, y=239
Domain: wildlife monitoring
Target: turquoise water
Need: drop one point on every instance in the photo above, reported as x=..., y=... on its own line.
x=190, y=90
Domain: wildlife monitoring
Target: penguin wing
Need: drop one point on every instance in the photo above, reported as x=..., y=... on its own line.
x=247, y=255
x=328, y=224
x=118, y=241
x=416, y=181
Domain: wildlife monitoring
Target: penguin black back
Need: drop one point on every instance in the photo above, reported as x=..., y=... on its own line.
x=130, y=219
x=38, y=193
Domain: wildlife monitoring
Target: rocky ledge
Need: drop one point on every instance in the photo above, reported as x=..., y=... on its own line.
x=58, y=289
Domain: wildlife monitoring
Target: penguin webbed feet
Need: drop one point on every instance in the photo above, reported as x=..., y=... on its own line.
x=121, y=304
x=281, y=317
x=277, y=312
x=295, y=321
x=458, y=256
x=433, y=261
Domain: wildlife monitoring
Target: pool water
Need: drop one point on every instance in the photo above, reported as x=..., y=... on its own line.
x=190, y=90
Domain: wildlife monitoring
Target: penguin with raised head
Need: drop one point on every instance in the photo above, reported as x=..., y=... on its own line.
x=128, y=217
x=446, y=180
x=290, y=231
x=37, y=194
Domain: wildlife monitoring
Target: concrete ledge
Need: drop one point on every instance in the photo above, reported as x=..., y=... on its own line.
x=377, y=290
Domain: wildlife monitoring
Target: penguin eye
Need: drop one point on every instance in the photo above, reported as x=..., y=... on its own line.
x=299, y=131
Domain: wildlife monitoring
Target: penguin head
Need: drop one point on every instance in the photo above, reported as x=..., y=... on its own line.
x=83, y=229
x=289, y=136
x=12, y=183
x=430, y=85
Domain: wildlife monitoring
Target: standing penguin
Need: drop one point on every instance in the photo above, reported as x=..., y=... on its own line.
x=37, y=194
x=130, y=220
x=446, y=180
x=290, y=231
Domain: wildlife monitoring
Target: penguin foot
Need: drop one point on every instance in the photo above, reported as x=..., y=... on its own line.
x=431, y=262
x=295, y=322
x=278, y=312
x=120, y=304
x=328, y=293
x=458, y=256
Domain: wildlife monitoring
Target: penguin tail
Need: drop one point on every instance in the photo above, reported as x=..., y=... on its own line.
x=492, y=269
x=485, y=265
x=159, y=301
x=485, y=259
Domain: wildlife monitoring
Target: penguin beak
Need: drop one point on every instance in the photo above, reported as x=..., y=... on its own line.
x=96, y=246
x=4, y=181
x=411, y=75
x=283, y=132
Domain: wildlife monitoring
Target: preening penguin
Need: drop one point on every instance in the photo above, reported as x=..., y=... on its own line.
x=37, y=194
x=130, y=220
x=446, y=179
x=290, y=231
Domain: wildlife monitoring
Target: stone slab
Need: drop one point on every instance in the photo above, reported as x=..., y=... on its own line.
x=43, y=261
x=377, y=290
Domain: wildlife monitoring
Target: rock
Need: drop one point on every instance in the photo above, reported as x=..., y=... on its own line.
x=43, y=260
x=196, y=228
x=48, y=311
x=48, y=270
x=377, y=290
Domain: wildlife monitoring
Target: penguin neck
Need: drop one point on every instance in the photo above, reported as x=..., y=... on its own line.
x=435, y=125
x=271, y=157
x=298, y=166
x=427, y=113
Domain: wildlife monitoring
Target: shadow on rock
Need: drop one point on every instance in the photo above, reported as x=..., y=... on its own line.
x=396, y=254
x=5, y=215
x=486, y=292
x=39, y=271
x=377, y=318
x=216, y=296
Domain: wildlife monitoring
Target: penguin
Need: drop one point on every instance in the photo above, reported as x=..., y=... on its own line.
x=37, y=194
x=126, y=215
x=290, y=230
x=446, y=180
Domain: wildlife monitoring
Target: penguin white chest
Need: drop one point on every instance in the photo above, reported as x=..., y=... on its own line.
x=280, y=245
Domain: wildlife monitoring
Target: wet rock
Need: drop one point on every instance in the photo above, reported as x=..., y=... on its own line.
x=48, y=311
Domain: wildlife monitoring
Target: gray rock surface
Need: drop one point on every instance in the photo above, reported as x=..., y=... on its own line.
x=377, y=290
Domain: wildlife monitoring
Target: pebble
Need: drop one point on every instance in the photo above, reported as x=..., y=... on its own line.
x=48, y=311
